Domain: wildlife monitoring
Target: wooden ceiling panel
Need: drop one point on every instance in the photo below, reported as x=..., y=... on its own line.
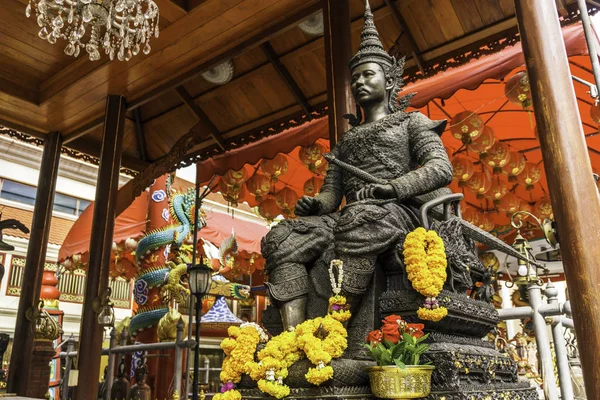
x=357, y=7
x=290, y=40
x=507, y=7
x=308, y=70
x=490, y=11
x=466, y=11
x=420, y=14
x=447, y=19
x=160, y=105
x=130, y=139
x=161, y=133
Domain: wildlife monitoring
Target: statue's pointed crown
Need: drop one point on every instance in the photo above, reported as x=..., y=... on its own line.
x=371, y=49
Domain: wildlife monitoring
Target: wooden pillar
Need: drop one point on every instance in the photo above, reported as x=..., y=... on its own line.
x=91, y=334
x=338, y=51
x=21, y=358
x=569, y=173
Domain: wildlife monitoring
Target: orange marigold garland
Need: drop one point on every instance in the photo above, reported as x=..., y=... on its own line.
x=425, y=259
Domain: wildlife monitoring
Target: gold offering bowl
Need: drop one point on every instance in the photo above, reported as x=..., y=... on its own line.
x=391, y=382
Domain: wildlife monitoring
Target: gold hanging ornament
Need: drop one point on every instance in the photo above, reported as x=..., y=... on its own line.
x=498, y=156
x=515, y=165
x=530, y=176
x=286, y=199
x=258, y=185
x=518, y=91
x=480, y=183
x=312, y=157
x=275, y=167
x=466, y=126
x=497, y=191
x=463, y=170
x=483, y=143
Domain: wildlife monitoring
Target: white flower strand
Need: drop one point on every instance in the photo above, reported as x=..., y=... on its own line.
x=336, y=285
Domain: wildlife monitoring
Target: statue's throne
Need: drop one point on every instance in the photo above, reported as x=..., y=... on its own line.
x=466, y=365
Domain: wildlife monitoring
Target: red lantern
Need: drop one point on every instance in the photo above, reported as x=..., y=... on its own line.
x=286, y=199
x=486, y=223
x=531, y=175
x=231, y=193
x=543, y=208
x=234, y=178
x=313, y=186
x=312, y=156
x=517, y=90
x=497, y=191
x=510, y=204
x=269, y=209
x=463, y=169
x=483, y=143
x=466, y=126
x=515, y=165
x=480, y=183
x=471, y=215
x=258, y=185
x=526, y=207
x=275, y=167
x=498, y=156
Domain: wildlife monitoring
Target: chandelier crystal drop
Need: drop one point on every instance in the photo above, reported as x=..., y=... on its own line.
x=121, y=27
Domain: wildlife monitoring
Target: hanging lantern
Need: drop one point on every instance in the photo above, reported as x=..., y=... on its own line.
x=466, y=126
x=312, y=156
x=69, y=265
x=526, y=207
x=483, y=143
x=258, y=185
x=235, y=178
x=313, y=186
x=515, y=165
x=595, y=112
x=275, y=167
x=480, y=183
x=498, y=156
x=471, y=215
x=286, y=199
x=269, y=209
x=543, y=208
x=497, y=191
x=531, y=175
x=510, y=204
x=463, y=169
x=518, y=91
x=486, y=223
x=231, y=193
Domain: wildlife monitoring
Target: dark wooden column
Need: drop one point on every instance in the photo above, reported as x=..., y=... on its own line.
x=569, y=173
x=21, y=357
x=338, y=51
x=90, y=337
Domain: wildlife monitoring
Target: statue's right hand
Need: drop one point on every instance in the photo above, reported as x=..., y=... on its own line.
x=307, y=206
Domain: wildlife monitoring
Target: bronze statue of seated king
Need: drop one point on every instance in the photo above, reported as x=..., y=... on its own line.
x=401, y=149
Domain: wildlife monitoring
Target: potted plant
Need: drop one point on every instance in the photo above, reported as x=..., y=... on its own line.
x=397, y=347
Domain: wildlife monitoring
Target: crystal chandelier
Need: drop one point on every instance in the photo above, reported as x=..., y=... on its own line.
x=120, y=27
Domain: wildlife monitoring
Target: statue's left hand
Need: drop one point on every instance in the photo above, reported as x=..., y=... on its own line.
x=376, y=191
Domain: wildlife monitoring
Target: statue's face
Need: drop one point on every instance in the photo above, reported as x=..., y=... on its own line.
x=369, y=84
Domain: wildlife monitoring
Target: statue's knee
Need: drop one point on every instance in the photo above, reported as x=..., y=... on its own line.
x=287, y=282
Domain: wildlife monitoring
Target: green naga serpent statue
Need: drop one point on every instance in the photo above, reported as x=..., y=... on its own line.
x=167, y=276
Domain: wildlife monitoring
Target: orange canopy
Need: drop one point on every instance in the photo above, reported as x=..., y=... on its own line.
x=132, y=224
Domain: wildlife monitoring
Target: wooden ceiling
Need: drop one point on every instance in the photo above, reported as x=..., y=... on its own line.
x=279, y=69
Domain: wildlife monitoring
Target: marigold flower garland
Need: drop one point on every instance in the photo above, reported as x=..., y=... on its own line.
x=239, y=348
x=320, y=340
x=425, y=259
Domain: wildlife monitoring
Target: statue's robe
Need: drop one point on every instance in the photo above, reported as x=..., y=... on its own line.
x=402, y=148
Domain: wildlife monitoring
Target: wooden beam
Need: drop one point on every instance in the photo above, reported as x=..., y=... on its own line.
x=243, y=47
x=23, y=129
x=416, y=52
x=287, y=78
x=139, y=134
x=570, y=182
x=188, y=100
x=338, y=51
x=103, y=223
x=19, y=380
x=20, y=92
x=93, y=148
x=83, y=130
x=171, y=10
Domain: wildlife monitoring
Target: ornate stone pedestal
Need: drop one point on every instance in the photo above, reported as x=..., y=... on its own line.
x=467, y=368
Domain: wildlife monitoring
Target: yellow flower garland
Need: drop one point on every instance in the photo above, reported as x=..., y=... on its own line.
x=425, y=259
x=343, y=314
x=321, y=351
x=239, y=347
x=279, y=354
